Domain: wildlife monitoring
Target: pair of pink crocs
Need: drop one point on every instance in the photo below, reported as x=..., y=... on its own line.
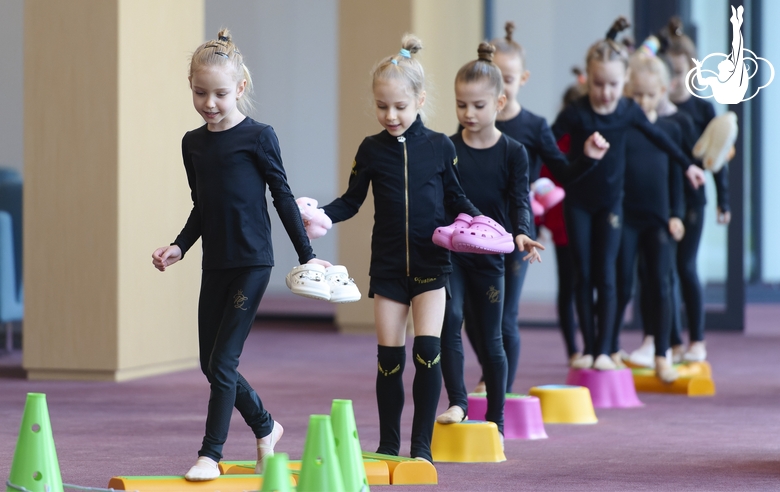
x=479, y=234
x=545, y=196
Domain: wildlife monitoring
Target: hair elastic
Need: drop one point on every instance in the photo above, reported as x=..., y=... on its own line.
x=650, y=46
x=405, y=53
x=223, y=38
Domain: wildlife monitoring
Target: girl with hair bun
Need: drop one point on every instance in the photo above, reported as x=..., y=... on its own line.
x=594, y=212
x=413, y=174
x=653, y=208
x=229, y=163
x=494, y=174
x=533, y=132
x=679, y=51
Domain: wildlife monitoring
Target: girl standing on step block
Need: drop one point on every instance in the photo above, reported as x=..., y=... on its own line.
x=494, y=174
x=653, y=209
x=531, y=130
x=413, y=174
x=680, y=51
x=229, y=163
x=593, y=206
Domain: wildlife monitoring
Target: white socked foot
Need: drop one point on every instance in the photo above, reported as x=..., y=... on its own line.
x=452, y=415
x=265, y=446
x=204, y=469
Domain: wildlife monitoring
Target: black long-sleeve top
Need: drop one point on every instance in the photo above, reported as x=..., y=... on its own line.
x=702, y=112
x=496, y=181
x=603, y=186
x=534, y=133
x=653, y=186
x=413, y=178
x=228, y=172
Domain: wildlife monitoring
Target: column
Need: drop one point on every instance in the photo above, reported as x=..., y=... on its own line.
x=106, y=105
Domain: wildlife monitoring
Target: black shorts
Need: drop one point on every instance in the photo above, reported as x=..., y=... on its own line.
x=404, y=289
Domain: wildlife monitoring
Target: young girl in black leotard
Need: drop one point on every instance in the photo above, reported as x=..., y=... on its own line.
x=413, y=175
x=532, y=131
x=652, y=208
x=679, y=53
x=229, y=162
x=594, y=212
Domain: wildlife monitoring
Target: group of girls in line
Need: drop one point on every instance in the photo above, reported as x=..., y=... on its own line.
x=421, y=179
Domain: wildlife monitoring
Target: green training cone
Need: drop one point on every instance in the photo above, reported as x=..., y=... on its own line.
x=320, y=471
x=276, y=474
x=35, y=466
x=353, y=471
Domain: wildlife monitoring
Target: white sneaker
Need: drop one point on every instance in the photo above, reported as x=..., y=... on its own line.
x=309, y=281
x=697, y=352
x=645, y=355
x=342, y=288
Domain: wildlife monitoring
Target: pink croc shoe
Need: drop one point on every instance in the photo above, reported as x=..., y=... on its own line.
x=536, y=208
x=485, y=236
x=442, y=236
x=547, y=194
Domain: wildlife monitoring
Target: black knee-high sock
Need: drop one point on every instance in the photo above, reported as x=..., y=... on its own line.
x=390, y=397
x=425, y=390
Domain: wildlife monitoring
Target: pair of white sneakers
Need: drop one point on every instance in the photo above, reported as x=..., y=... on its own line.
x=326, y=284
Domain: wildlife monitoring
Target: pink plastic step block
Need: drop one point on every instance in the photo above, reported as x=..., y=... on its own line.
x=608, y=389
x=522, y=415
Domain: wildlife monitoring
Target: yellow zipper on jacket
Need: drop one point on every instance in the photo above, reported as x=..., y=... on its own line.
x=406, y=202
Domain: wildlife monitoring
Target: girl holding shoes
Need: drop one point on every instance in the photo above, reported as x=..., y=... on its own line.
x=229, y=163
x=494, y=173
x=413, y=174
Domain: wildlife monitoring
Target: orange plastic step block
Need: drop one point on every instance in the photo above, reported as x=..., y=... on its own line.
x=407, y=471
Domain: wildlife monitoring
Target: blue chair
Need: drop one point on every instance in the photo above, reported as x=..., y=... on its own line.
x=11, y=296
x=11, y=202
x=9, y=173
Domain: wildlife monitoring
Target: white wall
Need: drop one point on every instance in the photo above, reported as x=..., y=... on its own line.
x=770, y=179
x=291, y=50
x=11, y=75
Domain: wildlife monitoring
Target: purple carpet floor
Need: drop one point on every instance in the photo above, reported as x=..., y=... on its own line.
x=153, y=426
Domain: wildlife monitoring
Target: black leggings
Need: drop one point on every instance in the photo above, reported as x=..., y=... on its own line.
x=653, y=243
x=595, y=240
x=486, y=298
x=226, y=310
x=566, y=297
x=690, y=287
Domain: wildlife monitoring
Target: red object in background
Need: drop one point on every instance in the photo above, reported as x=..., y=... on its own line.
x=553, y=220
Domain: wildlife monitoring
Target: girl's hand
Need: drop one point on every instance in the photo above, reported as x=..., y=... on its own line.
x=724, y=217
x=595, y=146
x=316, y=261
x=525, y=243
x=166, y=256
x=676, y=229
x=695, y=175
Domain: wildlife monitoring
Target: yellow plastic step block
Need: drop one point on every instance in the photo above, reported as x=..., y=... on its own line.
x=377, y=471
x=225, y=483
x=565, y=404
x=407, y=471
x=470, y=441
x=695, y=380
